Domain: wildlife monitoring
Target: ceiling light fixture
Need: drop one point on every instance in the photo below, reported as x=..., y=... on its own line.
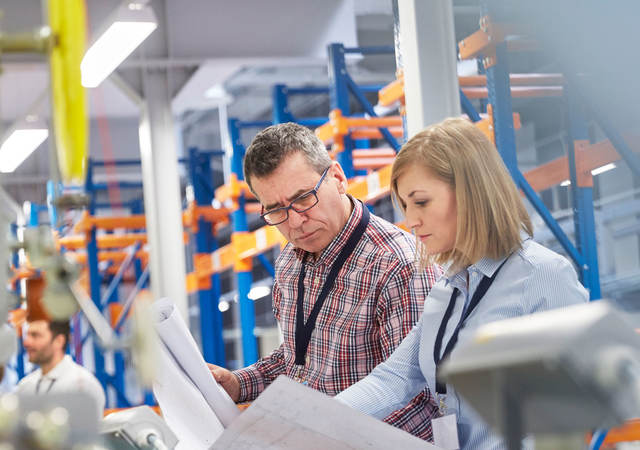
x=603, y=169
x=128, y=26
x=21, y=141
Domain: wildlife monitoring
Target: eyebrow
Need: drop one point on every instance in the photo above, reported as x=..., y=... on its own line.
x=289, y=199
x=415, y=192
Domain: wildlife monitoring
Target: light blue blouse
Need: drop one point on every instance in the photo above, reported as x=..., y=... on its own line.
x=533, y=279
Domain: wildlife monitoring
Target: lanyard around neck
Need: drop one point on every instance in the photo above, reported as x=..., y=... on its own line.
x=53, y=380
x=304, y=330
x=483, y=287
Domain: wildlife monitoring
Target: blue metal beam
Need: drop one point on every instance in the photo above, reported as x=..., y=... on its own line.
x=267, y=264
x=372, y=50
x=243, y=278
x=582, y=199
x=126, y=307
x=312, y=122
x=112, y=289
x=551, y=222
x=205, y=242
x=631, y=158
x=281, y=112
x=339, y=99
x=468, y=108
x=368, y=107
x=499, y=93
x=119, y=184
x=253, y=124
x=119, y=162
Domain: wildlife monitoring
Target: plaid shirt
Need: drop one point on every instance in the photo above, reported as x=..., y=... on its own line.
x=375, y=301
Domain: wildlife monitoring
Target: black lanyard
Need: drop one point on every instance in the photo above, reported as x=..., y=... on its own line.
x=483, y=287
x=53, y=380
x=304, y=330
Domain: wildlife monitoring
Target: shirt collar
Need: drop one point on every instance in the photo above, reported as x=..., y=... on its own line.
x=331, y=251
x=485, y=266
x=60, y=368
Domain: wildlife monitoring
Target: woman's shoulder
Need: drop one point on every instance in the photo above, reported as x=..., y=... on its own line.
x=537, y=256
x=550, y=278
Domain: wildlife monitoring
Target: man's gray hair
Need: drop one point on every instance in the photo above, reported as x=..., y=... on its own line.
x=274, y=144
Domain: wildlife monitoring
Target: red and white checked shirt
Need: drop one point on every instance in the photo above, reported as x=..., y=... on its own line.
x=375, y=301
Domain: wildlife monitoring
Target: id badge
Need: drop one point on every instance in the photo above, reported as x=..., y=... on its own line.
x=300, y=375
x=445, y=432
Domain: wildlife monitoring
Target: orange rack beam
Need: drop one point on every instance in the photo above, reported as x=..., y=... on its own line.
x=373, y=153
x=628, y=432
x=375, y=133
x=392, y=92
x=233, y=190
x=87, y=222
x=483, y=41
x=138, y=221
x=372, y=187
x=474, y=86
x=339, y=125
x=588, y=157
x=107, y=240
x=107, y=255
x=515, y=79
x=516, y=91
x=372, y=163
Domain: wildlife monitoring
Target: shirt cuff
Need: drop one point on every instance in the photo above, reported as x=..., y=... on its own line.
x=251, y=383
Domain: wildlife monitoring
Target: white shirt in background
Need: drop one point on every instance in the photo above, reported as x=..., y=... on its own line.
x=66, y=376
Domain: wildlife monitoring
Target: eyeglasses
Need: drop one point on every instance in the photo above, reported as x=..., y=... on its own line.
x=300, y=204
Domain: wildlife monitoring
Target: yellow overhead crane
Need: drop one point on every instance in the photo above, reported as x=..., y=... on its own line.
x=63, y=41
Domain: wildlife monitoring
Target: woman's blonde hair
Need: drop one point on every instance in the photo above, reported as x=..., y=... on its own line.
x=491, y=214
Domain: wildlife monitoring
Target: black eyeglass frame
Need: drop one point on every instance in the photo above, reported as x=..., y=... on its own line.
x=313, y=192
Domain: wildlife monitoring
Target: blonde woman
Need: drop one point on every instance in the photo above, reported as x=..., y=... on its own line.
x=464, y=209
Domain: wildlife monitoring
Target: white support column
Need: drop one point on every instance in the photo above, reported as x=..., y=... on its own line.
x=163, y=208
x=427, y=43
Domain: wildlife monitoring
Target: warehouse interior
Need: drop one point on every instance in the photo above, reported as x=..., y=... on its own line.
x=212, y=74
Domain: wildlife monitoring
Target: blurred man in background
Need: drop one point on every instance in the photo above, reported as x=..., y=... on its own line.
x=45, y=343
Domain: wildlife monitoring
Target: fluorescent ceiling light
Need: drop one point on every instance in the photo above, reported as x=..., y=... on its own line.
x=21, y=143
x=129, y=26
x=258, y=292
x=603, y=169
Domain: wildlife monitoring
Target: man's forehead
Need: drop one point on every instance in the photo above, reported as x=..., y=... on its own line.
x=38, y=325
x=284, y=184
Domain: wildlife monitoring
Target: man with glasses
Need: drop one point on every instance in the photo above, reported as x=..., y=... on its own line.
x=346, y=290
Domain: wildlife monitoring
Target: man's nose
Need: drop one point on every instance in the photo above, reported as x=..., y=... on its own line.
x=296, y=219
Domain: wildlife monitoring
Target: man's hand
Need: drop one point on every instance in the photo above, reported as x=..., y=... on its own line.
x=227, y=380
